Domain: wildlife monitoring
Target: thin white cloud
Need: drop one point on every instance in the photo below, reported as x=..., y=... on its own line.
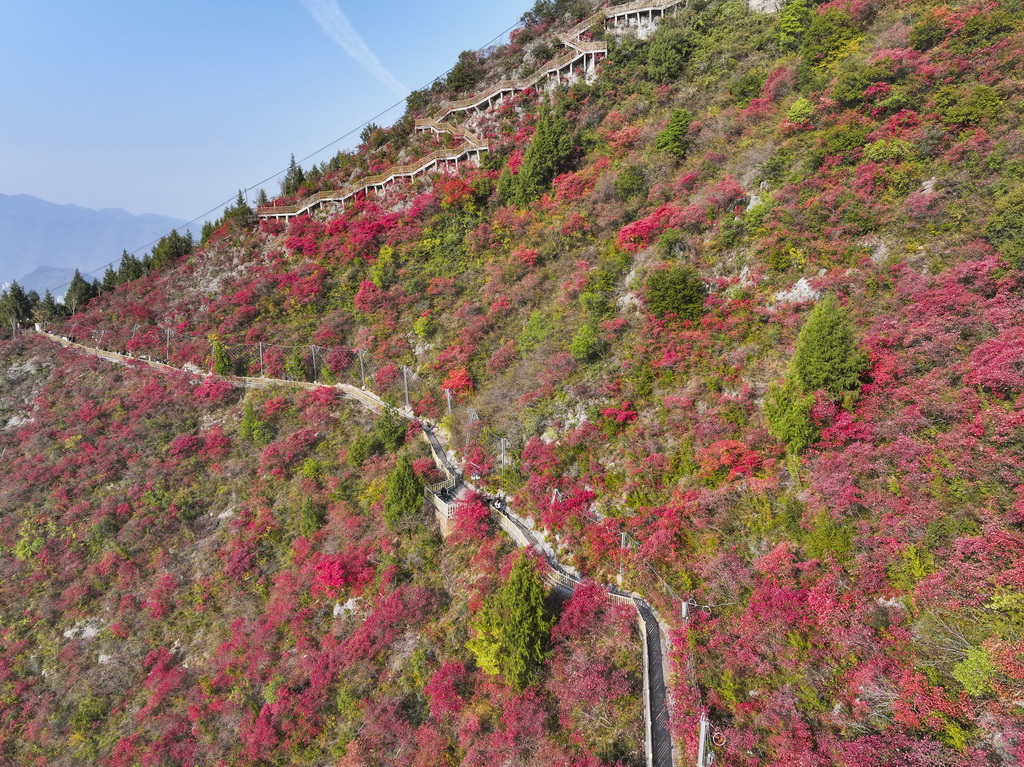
x=335, y=24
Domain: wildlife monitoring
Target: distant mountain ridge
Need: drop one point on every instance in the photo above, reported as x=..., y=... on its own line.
x=35, y=233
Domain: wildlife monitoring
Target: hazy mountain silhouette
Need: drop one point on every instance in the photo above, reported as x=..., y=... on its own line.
x=35, y=233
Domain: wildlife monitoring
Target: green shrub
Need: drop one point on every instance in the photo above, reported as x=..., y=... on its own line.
x=221, y=360
x=829, y=36
x=677, y=290
x=747, y=86
x=959, y=108
x=976, y=671
x=547, y=155
x=669, y=51
x=587, y=343
x=889, y=149
x=853, y=80
x=913, y=566
x=389, y=430
x=982, y=30
x=800, y=111
x=537, y=330
x=363, y=447
x=252, y=428
x=845, y=139
x=928, y=32
x=793, y=23
x=1005, y=228
x=828, y=538
x=631, y=182
x=788, y=413
x=311, y=517
x=512, y=629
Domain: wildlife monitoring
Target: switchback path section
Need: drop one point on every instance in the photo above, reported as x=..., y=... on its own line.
x=658, y=748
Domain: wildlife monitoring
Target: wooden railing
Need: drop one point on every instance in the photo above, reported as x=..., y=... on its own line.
x=569, y=38
x=470, y=142
x=342, y=195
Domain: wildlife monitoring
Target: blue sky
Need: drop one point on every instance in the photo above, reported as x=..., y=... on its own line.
x=171, y=106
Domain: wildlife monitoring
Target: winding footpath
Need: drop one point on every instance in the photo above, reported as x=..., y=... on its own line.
x=659, y=748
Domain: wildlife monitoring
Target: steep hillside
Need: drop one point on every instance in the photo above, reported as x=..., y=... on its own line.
x=746, y=293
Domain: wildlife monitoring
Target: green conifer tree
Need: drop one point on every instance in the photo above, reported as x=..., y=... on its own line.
x=221, y=360
x=793, y=23
x=675, y=138
x=826, y=354
x=79, y=293
x=512, y=630
x=678, y=290
x=548, y=155
x=404, y=498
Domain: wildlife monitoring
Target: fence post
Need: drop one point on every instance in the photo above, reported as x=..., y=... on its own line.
x=312, y=352
x=362, y=370
x=167, y=347
x=502, y=463
x=260, y=345
x=702, y=741
x=448, y=399
x=405, y=386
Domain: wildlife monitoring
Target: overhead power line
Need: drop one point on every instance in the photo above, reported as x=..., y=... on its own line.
x=246, y=190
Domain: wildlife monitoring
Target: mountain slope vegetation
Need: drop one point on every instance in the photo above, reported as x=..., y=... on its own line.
x=751, y=296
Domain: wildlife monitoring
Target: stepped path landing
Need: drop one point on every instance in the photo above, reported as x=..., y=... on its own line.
x=580, y=60
x=658, y=745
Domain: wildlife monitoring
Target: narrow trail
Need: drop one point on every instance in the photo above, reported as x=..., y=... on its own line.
x=659, y=747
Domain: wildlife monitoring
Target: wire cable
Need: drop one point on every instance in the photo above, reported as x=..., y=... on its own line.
x=259, y=184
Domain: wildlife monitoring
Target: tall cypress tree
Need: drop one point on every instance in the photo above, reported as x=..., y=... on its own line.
x=826, y=354
x=513, y=627
x=548, y=155
x=827, y=359
x=404, y=498
x=79, y=293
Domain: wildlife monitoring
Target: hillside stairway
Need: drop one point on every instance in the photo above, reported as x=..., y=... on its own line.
x=443, y=496
x=580, y=60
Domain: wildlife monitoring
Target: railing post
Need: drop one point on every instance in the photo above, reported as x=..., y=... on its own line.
x=702, y=741
x=503, y=464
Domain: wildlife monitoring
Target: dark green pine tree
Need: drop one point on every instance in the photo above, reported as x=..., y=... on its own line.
x=512, y=630
x=293, y=178
x=79, y=293
x=403, y=501
x=548, y=155
x=110, y=279
x=130, y=267
x=677, y=290
x=826, y=355
x=170, y=248
x=675, y=138
x=48, y=309
x=826, y=358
